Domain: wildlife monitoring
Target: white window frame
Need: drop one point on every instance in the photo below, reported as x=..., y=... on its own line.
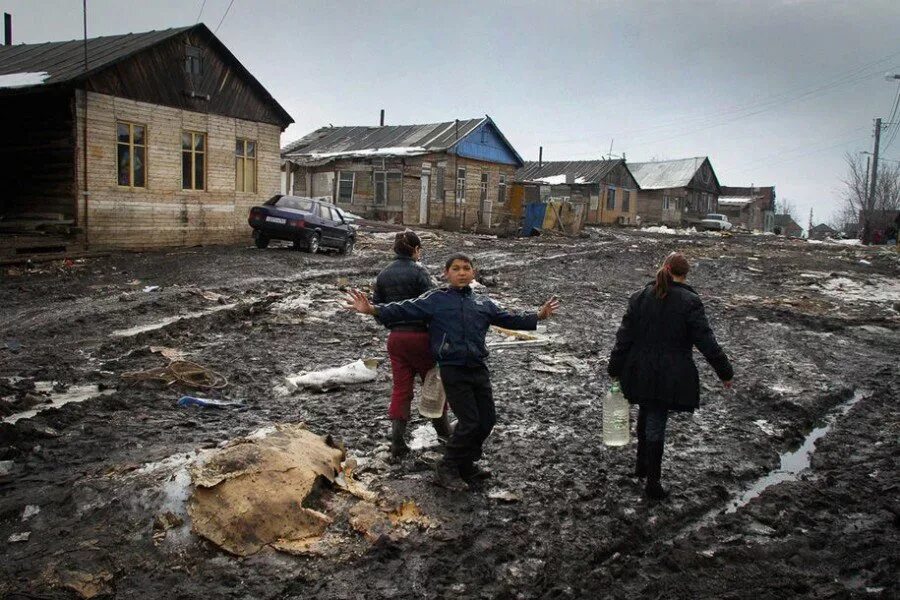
x=341, y=181
x=461, y=185
x=501, y=190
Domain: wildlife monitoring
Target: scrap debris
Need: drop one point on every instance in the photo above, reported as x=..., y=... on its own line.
x=183, y=372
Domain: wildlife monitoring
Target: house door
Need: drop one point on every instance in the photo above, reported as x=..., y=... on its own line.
x=423, y=200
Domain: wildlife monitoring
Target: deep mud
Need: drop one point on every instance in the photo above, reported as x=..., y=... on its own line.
x=807, y=327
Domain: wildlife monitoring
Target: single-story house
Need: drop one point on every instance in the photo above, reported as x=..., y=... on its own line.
x=786, y=226
x=451, y=173
x=138, y=140
x=822, y=231
x=750, y=207
x=605, y=188
x=676, y=192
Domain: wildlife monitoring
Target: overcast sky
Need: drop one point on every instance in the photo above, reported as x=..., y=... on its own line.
x=773, y=91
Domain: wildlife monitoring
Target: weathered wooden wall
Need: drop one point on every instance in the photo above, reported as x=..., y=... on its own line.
x=442, y=201
x=650, y=206
x=37, y=155
x=163, y=214
x=158, y=76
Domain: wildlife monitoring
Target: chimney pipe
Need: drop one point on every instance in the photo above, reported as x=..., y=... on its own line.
x=7, y=29
x=540, y=156
x=382, y=117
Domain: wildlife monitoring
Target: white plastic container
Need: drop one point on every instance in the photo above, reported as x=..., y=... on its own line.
x=615, y=417
x=433, y=398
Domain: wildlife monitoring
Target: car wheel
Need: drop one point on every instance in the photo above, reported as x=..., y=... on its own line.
x=347, y=249
x=313, y=245
x=261, y=241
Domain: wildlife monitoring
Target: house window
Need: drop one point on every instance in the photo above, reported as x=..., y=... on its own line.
x=611, y=199
x=245, y=165
x=193, y=160
x=131, y=154
x=345, y=186
x=380, y=188
x=626, y=201
x=460, y=185
x=484, y=186
x=667, y=203
x=501, y=190
x=193, y=62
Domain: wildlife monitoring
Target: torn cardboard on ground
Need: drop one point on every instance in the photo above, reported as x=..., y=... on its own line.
x=250, y=495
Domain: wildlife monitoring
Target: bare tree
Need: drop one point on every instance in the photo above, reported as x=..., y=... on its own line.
x=785, y=207
x=862, y=209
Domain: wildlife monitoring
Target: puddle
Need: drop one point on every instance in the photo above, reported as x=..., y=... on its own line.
x=131, y=331
x=795, y=462
x=75, y=393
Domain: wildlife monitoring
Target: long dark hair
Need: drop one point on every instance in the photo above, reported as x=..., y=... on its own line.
x=675, y=264
x=406, y=242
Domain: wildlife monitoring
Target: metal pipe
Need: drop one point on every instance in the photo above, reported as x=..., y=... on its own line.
x=7, y=29
x=382, y=118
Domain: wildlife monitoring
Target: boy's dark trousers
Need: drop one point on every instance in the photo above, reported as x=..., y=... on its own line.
x=470, y=396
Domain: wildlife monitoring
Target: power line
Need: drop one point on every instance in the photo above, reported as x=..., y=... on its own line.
x=199, y=14
x=892, y=120
x=216, y=30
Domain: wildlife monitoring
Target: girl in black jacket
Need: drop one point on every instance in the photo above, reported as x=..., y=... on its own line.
x=653, y=359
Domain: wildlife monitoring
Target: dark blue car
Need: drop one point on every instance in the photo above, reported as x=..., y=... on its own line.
x=309, y=223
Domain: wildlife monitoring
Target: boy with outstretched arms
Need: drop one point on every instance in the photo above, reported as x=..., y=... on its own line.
x=458, y=322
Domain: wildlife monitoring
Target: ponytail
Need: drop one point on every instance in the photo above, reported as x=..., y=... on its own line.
x=675, y=264
x=406, y=242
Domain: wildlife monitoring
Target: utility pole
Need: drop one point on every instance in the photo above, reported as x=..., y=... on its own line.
x=870, y=200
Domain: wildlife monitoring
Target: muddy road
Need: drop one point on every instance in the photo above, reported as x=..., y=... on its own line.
x=91, y=464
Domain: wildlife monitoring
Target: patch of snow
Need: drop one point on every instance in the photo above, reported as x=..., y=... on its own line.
x=168, y=321
x=873, y=289
x=18, y=80
x=557, y=179
x=392, y=151
x=850, y=242
x=670, y=230
x=75, y=393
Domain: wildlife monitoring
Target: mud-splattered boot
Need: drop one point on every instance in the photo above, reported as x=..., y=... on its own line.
x=443, y=428
x=654, y=489
x=472, y=473
x=398, y=439
x=447, y=476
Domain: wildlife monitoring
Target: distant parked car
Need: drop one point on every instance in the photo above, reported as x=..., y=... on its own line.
x=309, y=223
x=716, y=221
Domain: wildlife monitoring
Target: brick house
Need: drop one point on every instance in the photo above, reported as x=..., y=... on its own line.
x=676, y=192
x=162, y=139
x=750, y=207
x=605, y=188
x=455, y=173
x=786, y=226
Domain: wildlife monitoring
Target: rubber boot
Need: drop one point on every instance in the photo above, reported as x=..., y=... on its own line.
x=442, y=427
x=447, y=476
x=640, y=466
x=654, y=489
x=398, y=441
x=472, y=473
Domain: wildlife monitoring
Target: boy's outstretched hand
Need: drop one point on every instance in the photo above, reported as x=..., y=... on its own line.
x=548, y=308
x=356, y=300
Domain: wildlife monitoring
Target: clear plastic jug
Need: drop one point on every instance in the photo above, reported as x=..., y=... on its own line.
x=615, y=417
x=431, y=404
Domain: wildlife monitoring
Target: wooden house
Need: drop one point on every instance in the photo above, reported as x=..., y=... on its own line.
x=676, y=192
x=822, y=231
x=749, y=207
x=139, y=140
x=605, y=189
x=786, y=226
x=455, y=173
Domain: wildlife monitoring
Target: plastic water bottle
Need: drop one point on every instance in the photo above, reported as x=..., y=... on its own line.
x=615, y=417
x=206, y=402
x=431, y=404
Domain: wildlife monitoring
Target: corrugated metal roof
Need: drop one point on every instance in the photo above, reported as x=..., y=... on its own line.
x=405, y=140
x=666, y=173
x=64, y=61
x=582, y=171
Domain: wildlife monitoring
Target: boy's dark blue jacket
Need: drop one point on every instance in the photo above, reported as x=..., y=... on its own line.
x=458, y=320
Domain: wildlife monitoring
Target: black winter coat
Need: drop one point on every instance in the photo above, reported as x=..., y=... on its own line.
x=401, y=280
x=653, y=355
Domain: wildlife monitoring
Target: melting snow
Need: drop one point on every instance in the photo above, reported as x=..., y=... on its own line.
x=17, y=80
x=558, y=179
x=393, y=151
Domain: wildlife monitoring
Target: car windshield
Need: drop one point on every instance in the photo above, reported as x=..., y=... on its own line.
x=714, y=217
x=292, y=202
